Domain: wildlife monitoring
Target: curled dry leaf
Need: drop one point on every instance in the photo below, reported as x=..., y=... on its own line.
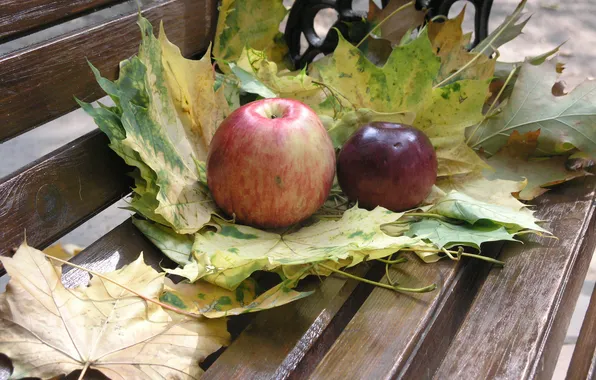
x=48, y=330
x=515, y=161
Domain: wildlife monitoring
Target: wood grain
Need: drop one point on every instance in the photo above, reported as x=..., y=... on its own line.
x=277, y=340
x=58, y=192
x=389, y=327
x=115, y=249
x=583, y=361
x=39, y=84
x=517, y=323
x=19, y=16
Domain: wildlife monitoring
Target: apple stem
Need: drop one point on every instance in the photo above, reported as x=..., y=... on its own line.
x=425, y=289
x=458, y=254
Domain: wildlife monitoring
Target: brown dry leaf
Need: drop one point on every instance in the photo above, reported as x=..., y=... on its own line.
x=394, y=29
x=514, y=161
x=449, y=44
x=48, y=330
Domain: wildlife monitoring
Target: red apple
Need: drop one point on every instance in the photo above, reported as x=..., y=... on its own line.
x=388, y=165
x=271, y=163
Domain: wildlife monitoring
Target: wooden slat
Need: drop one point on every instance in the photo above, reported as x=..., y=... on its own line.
x=583, y=361
x=38, y=84
x=118, y=247
x=19, y=16
x=278, y=339
x=58, y=192
x=389, y=327
x=517, y=323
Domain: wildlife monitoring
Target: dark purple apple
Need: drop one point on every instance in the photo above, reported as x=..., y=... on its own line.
x=388, y=165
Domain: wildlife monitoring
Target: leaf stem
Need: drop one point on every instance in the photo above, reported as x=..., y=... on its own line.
x=456, y=253
x=425, y=289
x=492, y=106
x=163, y=305
x=334, y=91
x=383, y=21
x=396, y=261
x=84, y=370
x=429, y=215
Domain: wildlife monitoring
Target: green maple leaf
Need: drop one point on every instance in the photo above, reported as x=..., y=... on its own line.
x=565, y=121
x=255, y=24
x=444, y=118
x=229, y=256
x=244, y=298
x=448, y=235
x=460, y=206
x=402, y=84
x=258, y=75
x=166, y=113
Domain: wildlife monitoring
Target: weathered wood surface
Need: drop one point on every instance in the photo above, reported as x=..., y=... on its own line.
x=20, y=16
x=58, y=192
x=278, y=339
x=517, y=323
x=387, y=330
x=118, y=247
x=39, y=84
x=583, y=361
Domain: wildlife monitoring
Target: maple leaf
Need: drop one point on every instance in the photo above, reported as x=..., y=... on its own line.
x=444, y=118
x=229, y=256
x=447, y=235
x=48, y=330
x=255, y=24
x=402, y=84
x=166, y=113
x=259, y=75
x=213, y=301
x=564, y=121
x=460, y=206
x=514, y=161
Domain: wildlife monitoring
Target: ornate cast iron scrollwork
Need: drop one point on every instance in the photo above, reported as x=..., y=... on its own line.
x=351, y=25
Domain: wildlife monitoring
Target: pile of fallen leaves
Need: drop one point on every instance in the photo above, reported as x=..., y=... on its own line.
x=500, y=134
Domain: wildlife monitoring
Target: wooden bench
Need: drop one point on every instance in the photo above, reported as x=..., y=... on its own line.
x=481, y=322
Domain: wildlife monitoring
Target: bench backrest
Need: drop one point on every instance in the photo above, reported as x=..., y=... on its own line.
x=38, y=83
